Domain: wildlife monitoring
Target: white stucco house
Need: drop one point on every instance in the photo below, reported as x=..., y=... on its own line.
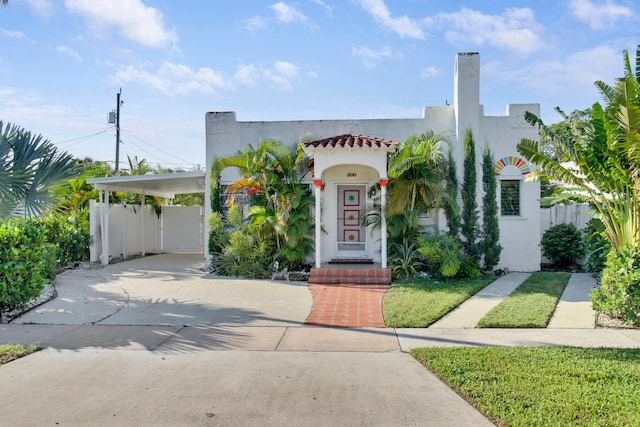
x=350, y=155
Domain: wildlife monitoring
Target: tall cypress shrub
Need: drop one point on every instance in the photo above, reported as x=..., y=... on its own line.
x=450, y=201
x=469, y=204
x=491, y=248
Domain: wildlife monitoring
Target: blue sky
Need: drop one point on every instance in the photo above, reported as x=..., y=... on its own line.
x=63, y=61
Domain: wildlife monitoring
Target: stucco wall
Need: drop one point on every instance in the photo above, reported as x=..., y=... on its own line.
x=226, y=135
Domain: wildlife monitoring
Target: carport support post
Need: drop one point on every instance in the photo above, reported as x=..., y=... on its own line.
x=142, y=251
x=105, y=230
x=383, y=204
x=318, y=189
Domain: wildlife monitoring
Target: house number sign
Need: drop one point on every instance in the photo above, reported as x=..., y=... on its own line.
x=351, y=174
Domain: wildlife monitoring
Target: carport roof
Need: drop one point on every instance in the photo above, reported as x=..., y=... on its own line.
x=161, y=185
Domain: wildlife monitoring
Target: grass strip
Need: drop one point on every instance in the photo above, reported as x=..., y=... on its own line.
x=543, y=386
x=417, y=303
x=12, y=351
x=529, y=306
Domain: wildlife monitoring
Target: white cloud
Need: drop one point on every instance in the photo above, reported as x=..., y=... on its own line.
x=430, y=71
x=178, y=79
x=403, y=26
x=283, y=13
x=72, y=53
x=12, y=34
x=599, y=15
x=371, y=57
x=43, y=8
x=288, y=14
x=282, y=76
x=26, y=108
x=328, y=8
x=173, y=79
x=247, y=75
x=132, y=18
x=516, y=29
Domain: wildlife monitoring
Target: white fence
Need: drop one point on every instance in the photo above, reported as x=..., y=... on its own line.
x=137, y=230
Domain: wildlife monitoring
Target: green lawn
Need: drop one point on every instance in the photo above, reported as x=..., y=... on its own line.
x=417, y=303
x=11, y=351
x=543, y=386
x=529, y=306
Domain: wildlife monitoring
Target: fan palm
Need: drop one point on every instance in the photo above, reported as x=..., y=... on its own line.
x=31, y=168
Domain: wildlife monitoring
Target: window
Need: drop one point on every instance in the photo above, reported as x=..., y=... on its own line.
x=510, y=198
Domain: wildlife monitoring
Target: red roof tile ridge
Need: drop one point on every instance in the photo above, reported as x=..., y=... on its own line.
x=349, y=140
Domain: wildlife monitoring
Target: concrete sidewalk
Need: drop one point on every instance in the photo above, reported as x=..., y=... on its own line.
x=173, y=338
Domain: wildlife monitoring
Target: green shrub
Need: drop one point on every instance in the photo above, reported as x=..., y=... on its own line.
x=26, y=263
x=562, y=244
x=243, y=256
x=218, y=238
x=69, y=236
x=444, y=257
x=619, y=291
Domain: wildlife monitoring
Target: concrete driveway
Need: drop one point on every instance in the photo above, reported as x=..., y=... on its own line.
x=155, y=341
x=169, y=289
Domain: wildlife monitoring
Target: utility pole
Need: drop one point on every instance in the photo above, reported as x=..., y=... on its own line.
x=118, y=131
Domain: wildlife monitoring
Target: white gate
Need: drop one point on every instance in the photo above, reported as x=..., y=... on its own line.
x=182, y=229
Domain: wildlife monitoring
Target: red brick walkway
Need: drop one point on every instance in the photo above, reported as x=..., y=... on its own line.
x=347, y=305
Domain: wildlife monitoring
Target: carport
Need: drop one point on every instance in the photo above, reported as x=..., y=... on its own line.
x=137, y=229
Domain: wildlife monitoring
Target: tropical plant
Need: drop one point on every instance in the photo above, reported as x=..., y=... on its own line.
x=74, y=196
x=596, y=247
x=604, y=159
x=415, y=170
x=604, y=162
x=405, y=261
x=31, y=168
x=469, y=203
x=271, y=176
x=490, y=244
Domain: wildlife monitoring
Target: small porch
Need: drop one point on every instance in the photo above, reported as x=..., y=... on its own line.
x=350, y=183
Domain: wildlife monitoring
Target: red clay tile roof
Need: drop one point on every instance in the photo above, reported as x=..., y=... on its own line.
x=351, y=140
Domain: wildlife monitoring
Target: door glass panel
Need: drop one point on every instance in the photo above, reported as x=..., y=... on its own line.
x=351, y=209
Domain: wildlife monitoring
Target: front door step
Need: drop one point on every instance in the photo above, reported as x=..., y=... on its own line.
x=355, y=276
x=351, y=261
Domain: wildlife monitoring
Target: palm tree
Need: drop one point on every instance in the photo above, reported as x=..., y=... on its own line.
x=416, y=173
x=31, y=168
x=604, y=161
x=415, y=188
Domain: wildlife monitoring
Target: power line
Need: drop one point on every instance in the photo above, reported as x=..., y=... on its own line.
x=82, y=138
x=140, y=148
x=159, y=149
